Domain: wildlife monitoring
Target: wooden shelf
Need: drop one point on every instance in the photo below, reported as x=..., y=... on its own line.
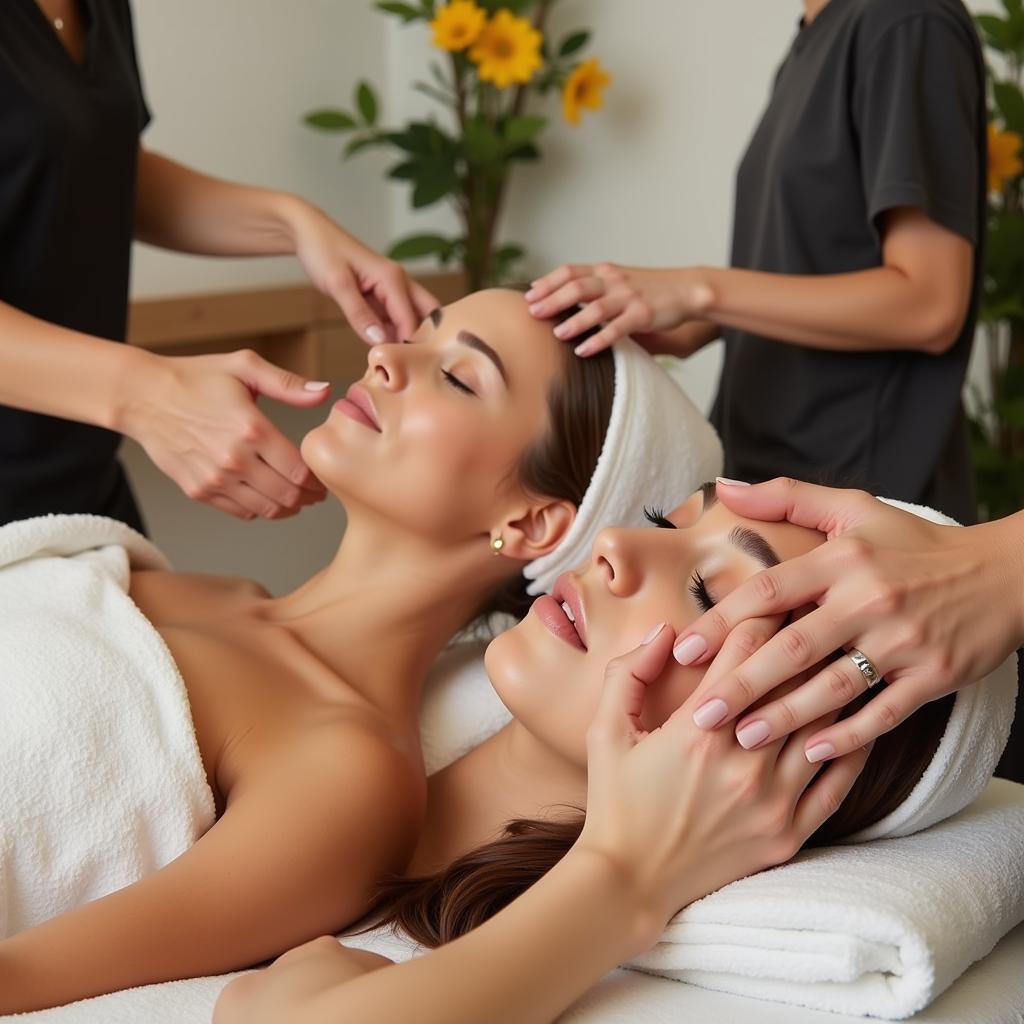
x=293, y=326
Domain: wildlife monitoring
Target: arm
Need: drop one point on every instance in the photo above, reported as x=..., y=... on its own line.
x=670, y=817
x=916, y=300
x=293, y=856
x=934, y=607
x=178, y=208
x=194, y=415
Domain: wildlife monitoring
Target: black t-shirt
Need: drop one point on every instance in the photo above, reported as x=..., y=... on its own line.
x=69, y=138
x=879, y=104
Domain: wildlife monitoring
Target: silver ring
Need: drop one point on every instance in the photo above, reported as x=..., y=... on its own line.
x=866, y=667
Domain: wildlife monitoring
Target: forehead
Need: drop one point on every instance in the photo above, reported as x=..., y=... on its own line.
x=527, y=346
x=714, y=523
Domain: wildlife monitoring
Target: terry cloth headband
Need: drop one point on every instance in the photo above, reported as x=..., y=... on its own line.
x=657, y=451
x=970, y=748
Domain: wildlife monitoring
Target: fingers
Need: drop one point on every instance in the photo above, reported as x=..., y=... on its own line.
x=828, y=510
x=553, y=280
x=890, y=706
x=781, y=589
x=575, y=292
x=344, y=289
x=617, y=721
x=825, y=795
x=277, y=452
x=231, y=507
x=263, y=378
x=424, y=300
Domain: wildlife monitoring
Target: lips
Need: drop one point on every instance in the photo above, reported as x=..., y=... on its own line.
x=562, y=613
x=358, y=405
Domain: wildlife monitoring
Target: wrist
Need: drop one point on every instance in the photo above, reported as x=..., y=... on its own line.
x=701, y=286
x=1004, y=557
x=135, y=376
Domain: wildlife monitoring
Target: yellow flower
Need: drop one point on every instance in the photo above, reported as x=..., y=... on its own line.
x=585, y=88
x=458, y=24
x=1003, y=157
x=507, y=50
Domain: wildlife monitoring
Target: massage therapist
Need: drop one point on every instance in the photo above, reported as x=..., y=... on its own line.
x=849, y=309
x=75, y=188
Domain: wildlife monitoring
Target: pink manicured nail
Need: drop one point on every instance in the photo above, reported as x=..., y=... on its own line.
x=708, y=715
x=530, y=295
x=819, y=752
x=316, y=385
x=561, y=330
x=375, y=335
x=584, y=349
x=537, y=308
x=653, y=633
x=753, y=733
x=687, y=651
x=731, y=483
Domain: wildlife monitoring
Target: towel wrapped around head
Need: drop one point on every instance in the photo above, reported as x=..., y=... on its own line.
x=658, y=450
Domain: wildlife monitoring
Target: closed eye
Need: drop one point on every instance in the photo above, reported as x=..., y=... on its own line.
x=456, y=383
x=698, y=589
x=656, y=516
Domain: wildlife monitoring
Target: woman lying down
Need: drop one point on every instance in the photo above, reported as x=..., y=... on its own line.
x=526, y=922
x=196, y=777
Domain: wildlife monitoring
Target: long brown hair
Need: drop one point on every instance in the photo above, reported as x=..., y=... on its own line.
x=438, y=908
x=561, y=463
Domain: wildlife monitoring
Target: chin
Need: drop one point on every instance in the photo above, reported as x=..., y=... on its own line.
x=512, y=670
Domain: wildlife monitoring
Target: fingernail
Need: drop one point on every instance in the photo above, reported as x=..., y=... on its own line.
x=561, y=330
x=731, y=483
x=819, y=752
x=708, y=715
x=316, y=385
x=537, y=308
x=687, y=651
x=653, y=633
x=584, y=349
x=530, y=295
x=752, y=734
x=375, y=334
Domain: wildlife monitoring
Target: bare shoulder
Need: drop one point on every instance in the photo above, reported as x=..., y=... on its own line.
x=161, y=591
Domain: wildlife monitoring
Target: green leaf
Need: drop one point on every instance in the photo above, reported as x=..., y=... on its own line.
x=520, y=130
x=527, y=152
x=995, y=32
x=409, y=170
x=481, y=143
x=436, y=180
x=1014, y=8
x=572, y=43
x=405, y=11
x=366, y=100
x=415, y=246
x=362, y=142
x=330, y=120
x=428, y=9
x=1010, y=102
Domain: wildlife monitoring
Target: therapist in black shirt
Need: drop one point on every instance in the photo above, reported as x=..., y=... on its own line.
x=849, y=309
x=75, y=188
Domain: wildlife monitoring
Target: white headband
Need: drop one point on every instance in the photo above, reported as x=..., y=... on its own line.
x=969, y=750
x=658, y=450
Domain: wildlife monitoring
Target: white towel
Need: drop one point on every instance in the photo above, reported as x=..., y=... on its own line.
x=101, y=781
x=878, y=929
x=659, y=448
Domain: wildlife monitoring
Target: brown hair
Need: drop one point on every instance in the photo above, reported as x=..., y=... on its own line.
x=561, y=463
x=439, y=908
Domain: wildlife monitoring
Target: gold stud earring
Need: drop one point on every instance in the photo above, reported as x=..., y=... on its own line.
x=497, y=543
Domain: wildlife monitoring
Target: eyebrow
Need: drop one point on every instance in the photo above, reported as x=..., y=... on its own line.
x=435, y=316
x=751, y=543
x=466, y=338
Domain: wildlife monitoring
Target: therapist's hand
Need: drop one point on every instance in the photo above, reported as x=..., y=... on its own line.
x=934, y=608
x=377, y=296
x=639, y=301
x=197, y=419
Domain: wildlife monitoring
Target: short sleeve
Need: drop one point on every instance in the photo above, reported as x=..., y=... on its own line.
x=916, y=105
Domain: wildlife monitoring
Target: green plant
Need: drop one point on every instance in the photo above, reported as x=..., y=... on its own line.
x=997, y=428
x=495, y=57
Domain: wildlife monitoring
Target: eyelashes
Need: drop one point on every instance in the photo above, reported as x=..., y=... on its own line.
x=698, y=588
x=456, y=383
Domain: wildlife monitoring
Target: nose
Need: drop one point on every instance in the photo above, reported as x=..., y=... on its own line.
x=387, y=366
x=620, y=560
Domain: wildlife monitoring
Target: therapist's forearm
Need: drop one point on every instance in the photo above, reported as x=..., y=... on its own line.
x=49, y=369
x=179, y=208
x=869, y=310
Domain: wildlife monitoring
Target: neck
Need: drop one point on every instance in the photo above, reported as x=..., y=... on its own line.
x=812, y=8
x=511, y=775
x=382, y=610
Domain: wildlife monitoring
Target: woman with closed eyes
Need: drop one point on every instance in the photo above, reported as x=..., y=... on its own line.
x=461, y=457
x=561, y=846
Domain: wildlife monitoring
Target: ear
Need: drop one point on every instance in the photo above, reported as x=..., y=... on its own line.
x=536, y=529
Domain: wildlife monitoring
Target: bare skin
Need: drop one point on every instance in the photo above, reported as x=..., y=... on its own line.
x=305, y=706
